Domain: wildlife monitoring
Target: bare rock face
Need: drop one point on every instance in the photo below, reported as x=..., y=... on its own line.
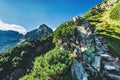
x=91, y=51
x=82, y=43
x=78, y=71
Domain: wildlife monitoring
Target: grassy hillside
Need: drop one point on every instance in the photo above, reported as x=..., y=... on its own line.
x=64, y=30
x=115, y=13
x=107, y=23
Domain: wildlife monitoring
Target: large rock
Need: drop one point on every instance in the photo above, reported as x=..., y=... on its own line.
x=83, y=45
x=97, y=63
x=78, y=71
x=77, y=20
x=112, y=76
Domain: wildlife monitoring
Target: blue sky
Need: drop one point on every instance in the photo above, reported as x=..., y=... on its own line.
x=31, y=13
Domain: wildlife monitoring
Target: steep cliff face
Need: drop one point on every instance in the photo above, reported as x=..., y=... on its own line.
x=90, y=53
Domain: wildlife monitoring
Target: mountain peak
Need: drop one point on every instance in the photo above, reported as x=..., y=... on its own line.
x=43, y=25
x=43, y=30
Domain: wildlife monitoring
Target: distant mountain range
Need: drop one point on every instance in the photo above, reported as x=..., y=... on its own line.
x=11, y=38
x=8, y=39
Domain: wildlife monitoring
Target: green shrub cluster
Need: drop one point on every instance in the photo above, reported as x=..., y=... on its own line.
x=64, y=30
x=54, y=65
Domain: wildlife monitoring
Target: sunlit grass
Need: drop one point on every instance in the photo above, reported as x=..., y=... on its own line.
x=106, y=16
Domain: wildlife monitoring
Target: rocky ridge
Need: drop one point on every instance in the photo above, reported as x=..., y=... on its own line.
x=91, y=54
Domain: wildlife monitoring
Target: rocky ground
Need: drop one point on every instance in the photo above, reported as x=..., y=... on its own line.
x=110, y=64
x=91, y=54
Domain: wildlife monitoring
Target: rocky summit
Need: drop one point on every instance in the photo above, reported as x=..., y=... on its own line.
x=43, y=30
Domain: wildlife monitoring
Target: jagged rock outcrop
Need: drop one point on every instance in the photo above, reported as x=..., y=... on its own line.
x=78, y=73
x=90, y=52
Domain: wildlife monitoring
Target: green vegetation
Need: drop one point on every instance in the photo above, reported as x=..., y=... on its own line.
x=22, y=56
x=107, y=23
x=54, y=65
x=64, y=30
x=113, y=44
x=92, y=12
x=115, y=13
x=108, y=29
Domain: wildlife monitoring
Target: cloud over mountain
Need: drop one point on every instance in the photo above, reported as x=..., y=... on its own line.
x=14, y=27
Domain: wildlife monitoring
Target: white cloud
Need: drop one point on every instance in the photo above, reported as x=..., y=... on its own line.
x=14, y=27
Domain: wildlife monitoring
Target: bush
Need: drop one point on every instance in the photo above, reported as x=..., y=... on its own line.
x=54, y=65
x=64, y=30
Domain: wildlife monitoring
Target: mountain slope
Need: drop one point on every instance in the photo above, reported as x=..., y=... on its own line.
x=106, y=21
x=18, y=60
x=8, y=39
x=91, y=46
x=85, y=50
